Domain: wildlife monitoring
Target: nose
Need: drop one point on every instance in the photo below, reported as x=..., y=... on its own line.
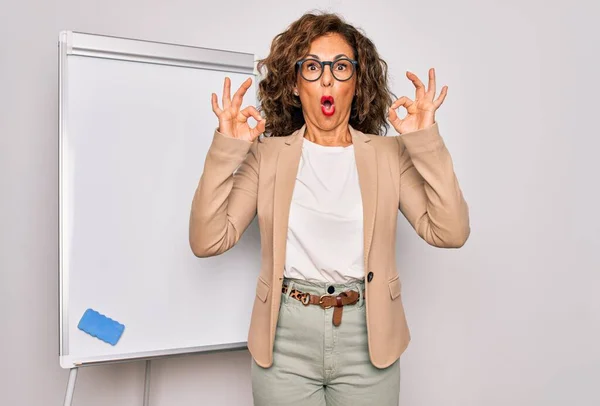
x=327, y=76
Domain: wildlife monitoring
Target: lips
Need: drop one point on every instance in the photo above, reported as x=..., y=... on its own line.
x=327, y=105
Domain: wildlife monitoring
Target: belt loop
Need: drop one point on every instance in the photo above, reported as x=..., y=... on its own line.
x=361, y=292
x=290, y=286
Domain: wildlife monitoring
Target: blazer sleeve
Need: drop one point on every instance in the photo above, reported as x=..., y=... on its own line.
x=430, y=196
x=225, y=199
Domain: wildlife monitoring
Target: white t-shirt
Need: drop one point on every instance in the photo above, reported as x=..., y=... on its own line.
x=325, y=231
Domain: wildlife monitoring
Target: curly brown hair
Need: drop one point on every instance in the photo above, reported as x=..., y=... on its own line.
x=283, y=112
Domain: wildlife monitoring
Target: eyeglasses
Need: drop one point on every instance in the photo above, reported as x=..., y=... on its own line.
x=312, y=69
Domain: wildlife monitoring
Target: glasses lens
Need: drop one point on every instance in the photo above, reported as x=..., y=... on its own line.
x=310, y=69
x=343, y=69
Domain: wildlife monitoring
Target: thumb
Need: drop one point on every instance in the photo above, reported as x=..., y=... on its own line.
x=394, y=119
x=259, y=129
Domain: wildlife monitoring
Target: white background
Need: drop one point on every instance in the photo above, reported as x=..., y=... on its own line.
x=510, y=319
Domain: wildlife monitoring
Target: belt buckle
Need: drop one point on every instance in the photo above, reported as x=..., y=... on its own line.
x=306, y=299
x=321, y=301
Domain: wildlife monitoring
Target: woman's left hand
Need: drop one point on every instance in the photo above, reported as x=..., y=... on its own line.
x=421, y=111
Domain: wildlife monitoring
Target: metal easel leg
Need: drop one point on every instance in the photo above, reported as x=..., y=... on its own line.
x=71, y=386
x=147, y=385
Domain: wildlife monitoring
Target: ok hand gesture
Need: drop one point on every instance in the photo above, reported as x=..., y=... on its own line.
x=421, y=111
x=233, y=122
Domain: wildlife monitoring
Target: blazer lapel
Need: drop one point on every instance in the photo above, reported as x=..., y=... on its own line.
x=366, y=165
x=285, y=180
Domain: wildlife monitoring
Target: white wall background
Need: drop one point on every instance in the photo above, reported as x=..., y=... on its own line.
x=513, y=318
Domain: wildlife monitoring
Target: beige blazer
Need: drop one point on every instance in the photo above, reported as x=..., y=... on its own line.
x=411, y=173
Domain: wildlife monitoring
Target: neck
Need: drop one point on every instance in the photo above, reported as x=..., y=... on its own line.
x=335, y=137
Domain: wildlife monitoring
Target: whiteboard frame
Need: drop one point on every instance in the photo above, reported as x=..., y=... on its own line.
x=132, y=50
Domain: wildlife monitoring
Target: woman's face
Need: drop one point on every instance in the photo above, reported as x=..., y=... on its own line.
x=326, y=102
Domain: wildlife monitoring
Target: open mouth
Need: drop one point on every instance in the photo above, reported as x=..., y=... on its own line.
x=327, y=106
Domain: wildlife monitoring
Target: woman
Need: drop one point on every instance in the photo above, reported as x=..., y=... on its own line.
x=328, y=325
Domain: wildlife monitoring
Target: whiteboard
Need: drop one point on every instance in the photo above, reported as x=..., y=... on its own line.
x=135, y=123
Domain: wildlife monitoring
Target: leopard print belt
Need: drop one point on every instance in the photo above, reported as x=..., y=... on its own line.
x=326, y=301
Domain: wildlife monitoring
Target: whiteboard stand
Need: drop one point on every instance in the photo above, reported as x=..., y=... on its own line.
x=71, y=386
x=147, y=384
x=73, y=379
x=135, y=124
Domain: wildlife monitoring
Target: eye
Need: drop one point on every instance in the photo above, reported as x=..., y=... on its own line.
x=312, y=65
x=342, y=65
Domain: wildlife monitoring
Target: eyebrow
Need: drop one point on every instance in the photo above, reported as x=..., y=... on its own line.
x=335, y=57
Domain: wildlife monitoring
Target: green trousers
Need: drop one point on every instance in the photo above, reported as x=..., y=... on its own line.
x=318, y=364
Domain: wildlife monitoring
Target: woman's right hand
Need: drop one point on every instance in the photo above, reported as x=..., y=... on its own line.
x=233, y=122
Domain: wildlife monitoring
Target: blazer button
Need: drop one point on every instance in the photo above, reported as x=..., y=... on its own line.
x=370, y=276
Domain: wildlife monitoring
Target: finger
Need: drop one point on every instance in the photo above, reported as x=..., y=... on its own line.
x=226, y=93
x=420, y=91
x=431, y=87
x=251, y=111
x=215, y=105
x=403, y=101
x=438, y=102
x=393, y=116
x=395, y=120
x=259, y=129
x=248, y=112
x=239, y=95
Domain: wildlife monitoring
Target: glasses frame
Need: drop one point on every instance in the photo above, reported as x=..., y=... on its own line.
x=323, y=64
